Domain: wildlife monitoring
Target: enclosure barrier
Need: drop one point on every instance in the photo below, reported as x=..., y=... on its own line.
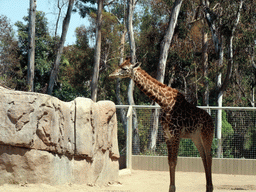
x=236, y=147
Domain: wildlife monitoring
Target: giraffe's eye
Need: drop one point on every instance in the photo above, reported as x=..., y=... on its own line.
x=123, y=68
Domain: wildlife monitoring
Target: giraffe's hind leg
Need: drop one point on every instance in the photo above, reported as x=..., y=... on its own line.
x=173, y=147
x=203, y=143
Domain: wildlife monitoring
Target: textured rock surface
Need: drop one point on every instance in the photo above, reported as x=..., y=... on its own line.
x=45, y=140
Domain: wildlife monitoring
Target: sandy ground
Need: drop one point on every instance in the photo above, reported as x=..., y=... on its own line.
x=149, y=181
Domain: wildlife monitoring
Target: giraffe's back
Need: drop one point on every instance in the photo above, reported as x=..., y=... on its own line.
x=185, y=119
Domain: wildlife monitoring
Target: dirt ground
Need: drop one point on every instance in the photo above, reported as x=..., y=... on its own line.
x=149, y=181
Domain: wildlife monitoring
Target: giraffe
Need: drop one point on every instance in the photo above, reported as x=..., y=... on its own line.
x=179, y=118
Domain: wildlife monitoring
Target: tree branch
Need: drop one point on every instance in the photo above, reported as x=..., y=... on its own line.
x=109, y=3
x=211, y=24
x=237, y=16
x=166, y=42
x=55, y=67
x=230, y=56
x=243, y=92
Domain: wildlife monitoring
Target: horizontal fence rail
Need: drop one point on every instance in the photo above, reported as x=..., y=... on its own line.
x=202, y=107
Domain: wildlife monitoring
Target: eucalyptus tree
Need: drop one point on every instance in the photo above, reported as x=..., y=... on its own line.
x=85, y=9
x=223, y=20
x=60, y=47
x=31, y=45
x=75, y=70
x=164, y=50
x=97, y=53
x=44, y=51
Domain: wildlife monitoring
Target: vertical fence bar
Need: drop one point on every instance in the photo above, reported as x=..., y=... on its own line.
x=129, y=139
x=219, y=126
x=219, y=119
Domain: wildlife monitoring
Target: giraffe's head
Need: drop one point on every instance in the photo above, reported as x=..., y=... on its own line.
x=125, y=70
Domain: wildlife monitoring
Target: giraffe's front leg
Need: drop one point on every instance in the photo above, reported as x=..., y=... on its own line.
x=172, y=188
x=173, y=147
x=172, y=166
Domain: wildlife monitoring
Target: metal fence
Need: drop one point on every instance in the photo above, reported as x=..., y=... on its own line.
x=237, y=138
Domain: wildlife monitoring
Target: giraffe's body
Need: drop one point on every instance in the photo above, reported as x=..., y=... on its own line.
x=179, y=119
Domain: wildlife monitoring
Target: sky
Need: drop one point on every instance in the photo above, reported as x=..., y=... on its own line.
x=15, y=10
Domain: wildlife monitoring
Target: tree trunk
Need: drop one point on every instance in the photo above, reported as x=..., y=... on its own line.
x=135, y=139
x=31, y=47
x=254, y=80
x=97, y=53
x=58, y=17
x=212, y=26
x=230, y=50
x=118, y=89
x=218, y=42
x=131, y=7
x=165, y=45
x=205, y=67
x=56, y=65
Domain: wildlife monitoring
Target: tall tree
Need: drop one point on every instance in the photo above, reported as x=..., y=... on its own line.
x=60, y=5
x=75, y=70
x=223, y=26
x=97, y=53
x=226, y=30
x=136, y=140
x=118, y=81
x=164, y=49
x=31, y=45
x=55, y=68
x=243, y=78
x=205, y=67
x=44, y=51
x=165, y=44
x=129, y=23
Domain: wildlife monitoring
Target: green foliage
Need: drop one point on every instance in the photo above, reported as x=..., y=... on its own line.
x=227, y=132
x=85, y=7
x=76, y=68
x=188, y=149
x=9, y=58
x=44, y=50
x=226, y=126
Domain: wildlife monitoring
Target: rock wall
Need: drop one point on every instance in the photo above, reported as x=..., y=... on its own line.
x=45, y=140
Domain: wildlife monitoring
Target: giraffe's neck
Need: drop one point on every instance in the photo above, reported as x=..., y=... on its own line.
x=157, y=91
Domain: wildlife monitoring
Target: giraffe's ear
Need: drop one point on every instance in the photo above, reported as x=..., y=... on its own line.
x=136, y=65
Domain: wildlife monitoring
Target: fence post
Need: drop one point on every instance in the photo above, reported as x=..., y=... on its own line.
x=129, y=139
x=219, y=119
